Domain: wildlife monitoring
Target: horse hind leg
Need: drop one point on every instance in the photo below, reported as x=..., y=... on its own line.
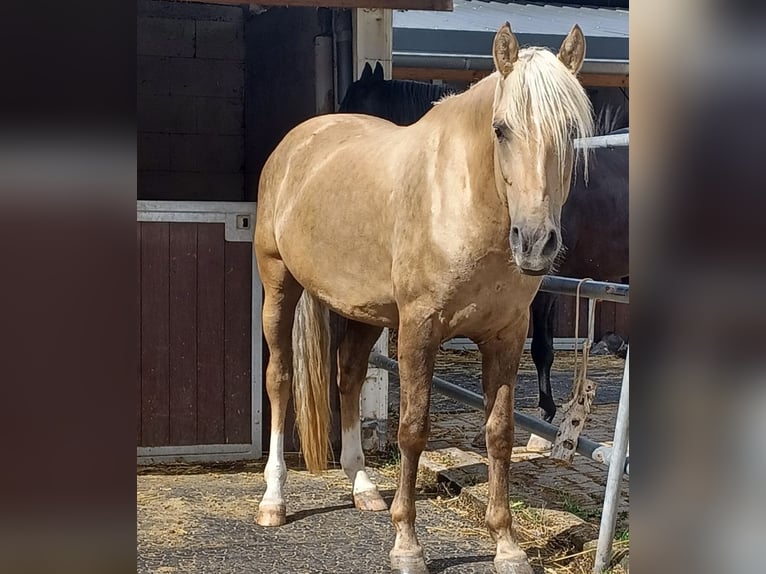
x=281, y=294
x=353, y=353
x=543, y=313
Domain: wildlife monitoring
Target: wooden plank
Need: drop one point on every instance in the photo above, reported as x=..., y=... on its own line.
x=183, y=333
x=428, y=74
x=210, y=333
x=138, y=340
x=604, y=318
x=564, y=325
x=440, y=5
x=589, y=80
x=154, y=334
x=622, y=321
x=593, y=80
x=583, y=332
x=237, y=332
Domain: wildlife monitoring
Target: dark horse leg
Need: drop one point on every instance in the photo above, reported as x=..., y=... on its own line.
x=543, y=315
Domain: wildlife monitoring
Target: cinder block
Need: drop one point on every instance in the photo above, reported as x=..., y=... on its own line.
x=153, y=152
x=220, y=40
x=223, y=116
x=211, y=186
x=198, y=77
x=153, y=75
x=207, y=153
x=154, y=185
x=165, y=37
x=177, y=186
x=166, y=113
x=191, y=10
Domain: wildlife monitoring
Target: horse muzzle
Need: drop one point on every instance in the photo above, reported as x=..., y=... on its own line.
x=534, y=249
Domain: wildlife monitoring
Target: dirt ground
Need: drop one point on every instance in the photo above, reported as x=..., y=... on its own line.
x=204, y=522
x=195, y=518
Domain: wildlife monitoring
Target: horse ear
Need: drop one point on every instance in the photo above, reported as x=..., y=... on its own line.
x=505, y=50
x=572, y=51
x=378, y=75
x=366, y=73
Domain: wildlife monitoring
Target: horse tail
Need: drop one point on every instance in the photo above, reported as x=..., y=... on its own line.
x=311, y=380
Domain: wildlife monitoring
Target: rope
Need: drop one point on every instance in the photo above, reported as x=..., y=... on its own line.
x=579, y=378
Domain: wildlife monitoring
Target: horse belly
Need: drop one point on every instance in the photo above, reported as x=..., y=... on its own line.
x=343, y=260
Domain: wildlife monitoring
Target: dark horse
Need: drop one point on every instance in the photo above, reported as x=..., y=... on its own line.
x=594, y=220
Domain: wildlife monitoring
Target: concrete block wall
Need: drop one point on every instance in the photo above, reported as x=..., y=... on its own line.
x=281, y=75
x=190, y=101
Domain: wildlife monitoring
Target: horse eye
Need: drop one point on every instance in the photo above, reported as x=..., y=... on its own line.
x=499, y=134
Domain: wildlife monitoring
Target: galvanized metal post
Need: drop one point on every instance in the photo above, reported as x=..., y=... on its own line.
x=616, y=466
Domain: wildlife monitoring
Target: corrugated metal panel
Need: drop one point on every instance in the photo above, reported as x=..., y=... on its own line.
x=470, y=28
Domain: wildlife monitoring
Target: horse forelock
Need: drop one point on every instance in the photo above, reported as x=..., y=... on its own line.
x=545, y=102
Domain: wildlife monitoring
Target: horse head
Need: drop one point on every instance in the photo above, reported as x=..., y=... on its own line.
x=539, y=109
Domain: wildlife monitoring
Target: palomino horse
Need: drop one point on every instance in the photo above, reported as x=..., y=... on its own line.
x=440, y=227
x=594, y=220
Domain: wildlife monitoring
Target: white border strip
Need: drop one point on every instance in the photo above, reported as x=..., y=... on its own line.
x=238, y=217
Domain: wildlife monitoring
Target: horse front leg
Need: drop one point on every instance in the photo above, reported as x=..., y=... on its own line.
x=500, y=363
x=418, y=343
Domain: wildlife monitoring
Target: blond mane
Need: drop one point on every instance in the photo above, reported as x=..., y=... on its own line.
x=547, y=103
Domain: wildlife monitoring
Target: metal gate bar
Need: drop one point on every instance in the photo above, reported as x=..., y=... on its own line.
x=585, y=446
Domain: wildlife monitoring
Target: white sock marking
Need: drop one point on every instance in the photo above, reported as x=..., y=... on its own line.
x=352, y=459
x=275, y=471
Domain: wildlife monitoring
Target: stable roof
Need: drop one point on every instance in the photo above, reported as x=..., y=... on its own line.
x=462, y=39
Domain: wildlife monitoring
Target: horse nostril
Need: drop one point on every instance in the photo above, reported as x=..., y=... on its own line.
x=516, y=238
x=551, y=244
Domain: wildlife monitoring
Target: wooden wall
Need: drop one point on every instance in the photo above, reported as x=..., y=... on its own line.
x=194, y=295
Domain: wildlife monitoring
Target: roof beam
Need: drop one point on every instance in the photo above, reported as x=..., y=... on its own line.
x=436, y=5
x=589, y=80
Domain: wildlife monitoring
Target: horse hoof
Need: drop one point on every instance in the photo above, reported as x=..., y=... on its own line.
x=410, y=563
x=370, y=500
x=513, y=566
x=271, y=515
